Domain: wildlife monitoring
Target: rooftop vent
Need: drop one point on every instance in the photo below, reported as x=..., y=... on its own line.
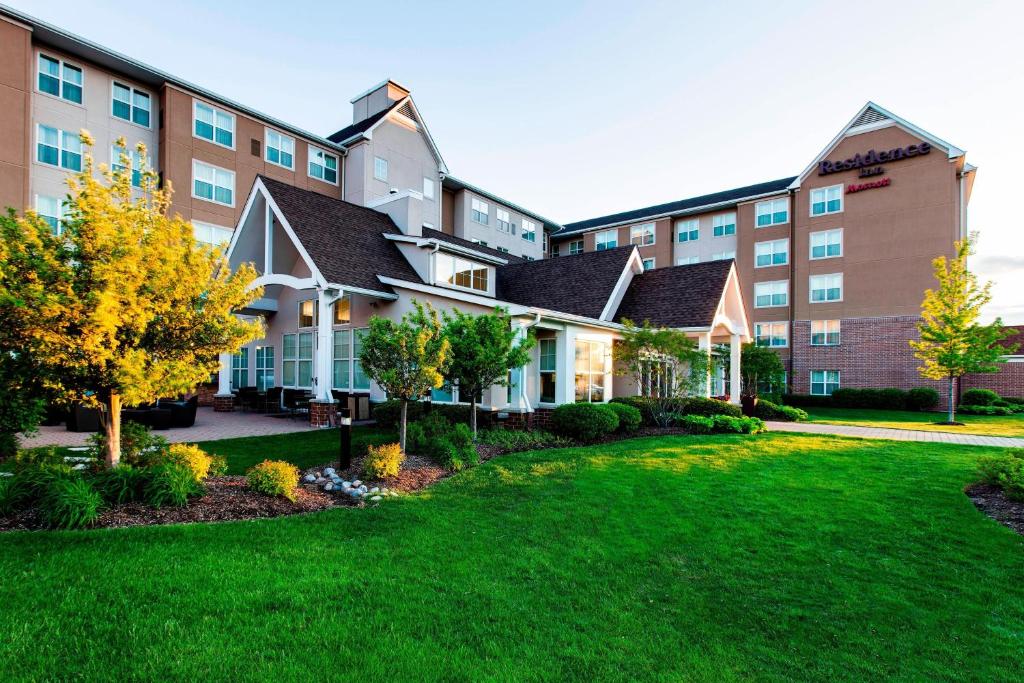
x=870, y=115
x=407, y=111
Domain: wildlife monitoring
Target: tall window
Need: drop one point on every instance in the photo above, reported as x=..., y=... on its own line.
x=548, y=370
x=280, y=149
x=56, y=147
x=297, y=360
x=642, y=235
x=360, y=380
x=428, y=188
x=213, y=184
x=826, y=287
x=133, y=156
x=774, y=253
x=307, y=313
x=687, y=260
x=480, y=211
x=723, y=255
x=824, y=333
x=768, y=294
x=264, y=367
x=60, y=79
x=211, y=234
x=771, y=212
x=131, y=104
x=608, y=239
x=240, y=368
x=824, y=382
x=504, y=220
x=51, y=210
x=343, y=310
x=576, y=247
x=380, y=168
x=530, y=231
x=590, y=371
x=827, y=244
x=460, y=272
x=214, y=125
x=771, y=334
x=688, y=230
x=724, y=224
x=323, y=165
x=826, y=200
x=342, y=359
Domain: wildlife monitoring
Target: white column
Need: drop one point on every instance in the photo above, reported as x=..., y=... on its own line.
x=224, y=376
x=520, y=401
x=565, y=382
x=268, y=239
x=704, y=342
x=734, y=369
x=322, y=361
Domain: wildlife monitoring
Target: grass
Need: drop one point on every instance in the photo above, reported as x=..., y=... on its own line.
x=697, y=558
x=987, y=425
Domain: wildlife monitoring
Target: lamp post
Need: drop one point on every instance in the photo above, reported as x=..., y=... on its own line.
x=345, y=435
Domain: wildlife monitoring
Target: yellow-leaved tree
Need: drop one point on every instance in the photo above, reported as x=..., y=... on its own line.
x=145, y=310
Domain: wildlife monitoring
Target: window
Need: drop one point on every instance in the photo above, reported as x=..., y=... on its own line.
x=723, y=255
x=826, y=287
x=824, y=382
x=213, y=184
x=240, y=369
x=323, y=166
x=824, y=333
x=130, y=104
x=548, y=370
x=771, y=212
x=554, y=250
x=307, y=313
x=528, y=258
x=642, y=235
x=360, y=380
x=207, y=233
x=768, y=294
x=827, y=244
x=52, y=211
x=826, y=200
x=60, y=79
x=774, y=253
x=380, y=169
x=547, y=240
x=480, y=212
x=297, y=360
x=342, y=359
x=590, y=371
x=724, y=224
x=280, y=149
x=657, y=378
x=771, y=334
x=214, y=125
x=687, y=260
x=343, y=310
x=446, y=394
x=530, y=232
x=503, y=250
x=55, y=147
x=504, y=221
x=428, y=188
x=480, y=242
x=688, y=230
x=609, y=239
x=576, y=247
x=459, y=272
x=648, y=264
x=133, y=157
x=264, y=367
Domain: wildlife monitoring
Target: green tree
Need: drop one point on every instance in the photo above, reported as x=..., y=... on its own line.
x=484, y=349
x=953, y=343
x=759, y=366
x=140, y=310
x=406, y=358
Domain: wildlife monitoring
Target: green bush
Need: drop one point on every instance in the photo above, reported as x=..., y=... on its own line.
x=139, y=445
x=415, y=437
x=807, y=401
x=979, y=397
x=70, y=503
x=646, y=405
x=766, y=410
x=721, y=424
x=274, y=478
x=30, y=483
x=520, y=440
x=629, y=417
x=121, y=484
x=985, y=410
x=389, y=413
x=698, y=405
x=877, y=399
x=584, y=421
x=1005, y=470
x=218, y=466
x=12, y=495
x=171, y=484
x=922, y=399
x=696, y=424
x=454, y=450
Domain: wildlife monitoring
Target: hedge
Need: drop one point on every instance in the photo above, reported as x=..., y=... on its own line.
x=979, y=397
x=766, y=410
x=584, y=421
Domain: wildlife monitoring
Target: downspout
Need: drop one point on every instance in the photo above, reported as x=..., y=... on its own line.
x=792, y=287
x=344, y=168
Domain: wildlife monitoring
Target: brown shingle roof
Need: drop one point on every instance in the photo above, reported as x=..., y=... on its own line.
x=430, y=233
x=1016, y=337
x=680, y=296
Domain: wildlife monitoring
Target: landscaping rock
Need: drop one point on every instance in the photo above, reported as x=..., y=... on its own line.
x=376, y=498
x=328, y=486
x=362, y=488
x=357, y=483
x=310, y=478
x=329, y=472
x=375, y=490
x=346, y=484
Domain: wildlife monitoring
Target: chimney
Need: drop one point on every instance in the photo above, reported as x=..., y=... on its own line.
x=377, y=99
x=405, y=209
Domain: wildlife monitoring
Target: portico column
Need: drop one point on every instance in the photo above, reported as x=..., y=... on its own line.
x=223, y=400
x=321, y=409
x=734, y=369
x=565, y=378
x=520, y=401
x=705, y=343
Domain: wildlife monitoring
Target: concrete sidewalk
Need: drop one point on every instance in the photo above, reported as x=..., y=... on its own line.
x=897, y=434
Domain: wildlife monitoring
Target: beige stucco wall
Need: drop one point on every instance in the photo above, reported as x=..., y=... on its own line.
x=464, y=226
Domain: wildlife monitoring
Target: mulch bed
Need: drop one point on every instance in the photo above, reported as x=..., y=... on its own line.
x=993, y=502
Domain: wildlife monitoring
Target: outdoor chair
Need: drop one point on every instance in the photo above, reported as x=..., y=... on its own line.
x=183, y=412
x=272, y=400
x=246, y=397
x=83, y=419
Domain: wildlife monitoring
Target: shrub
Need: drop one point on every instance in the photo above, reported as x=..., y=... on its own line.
x=985, y=410
x=584, y=421
x=454, y=450
x=70, y=503
x=979, y=397
x=388, y=413
x=922, y=399
x=274, y=478
x=766, y=410
x=807, y=401
x=139, y=446
x=383, y=461
x=1005, y=470
x=218, y=466
x=12, y=495
x=415, y=437
x=121, y=484
x=721, y=424
x=646, y=405
x=192, y=457
x=518, y=440
x=30, y=483
x=698, y=405
x=171, y=484
x=629, y=417
x=877, y=399
x=697, y=424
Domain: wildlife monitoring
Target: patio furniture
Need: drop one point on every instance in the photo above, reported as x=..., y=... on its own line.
x=357, y=403
x=247, y=398
x=150, y=416
x=83, y=419
x=183, y=412
x=272, y=400
x=296, y=401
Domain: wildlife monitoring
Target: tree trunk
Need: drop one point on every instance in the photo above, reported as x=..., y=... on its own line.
x=952, y=404
x=472, y=414
x=112, y=428
x=401, y=425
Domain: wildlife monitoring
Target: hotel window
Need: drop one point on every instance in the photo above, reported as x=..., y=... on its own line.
x=529, y=258
x=297, y=360
x=343, y=310
x=576, y=247
x=214, y=235
x=590, y=371
x=771, y=334
x=428, y=188
x=503, y=250
x=264, y=367
x=55, y=147
x=504, y=221
x=688, y=230
x=824, y=382
x=548, y=370
x=134, y=158
x=213, y=184
x=824, y=333
x=609, y=239
x=530, y=232
x=459, y=272
x=687, y=260
x=280, y=149
x=768, y=294
x=648, y=264
x=342, y=359
x=60, y=79
x=52, y=211
x=214, y=125
x=380, y=169
x=826, y=287
x=480, y=242
x=307, y=313
x=642, y=235
x=771, y=212
x=240, y=369
x=774, y=253
x=723, y=255
x=826, y=200
x=130, y=104
x=480, y=212
x=360, y=380
x=827, y=244
x=724, y=224
x=323, y=166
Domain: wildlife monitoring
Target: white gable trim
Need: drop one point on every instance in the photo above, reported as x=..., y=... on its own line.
x=421, y=124
x=625, y=277
x=732, y=284
x=442, y=245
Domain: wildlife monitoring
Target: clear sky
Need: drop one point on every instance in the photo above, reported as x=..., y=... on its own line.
x=578, y=109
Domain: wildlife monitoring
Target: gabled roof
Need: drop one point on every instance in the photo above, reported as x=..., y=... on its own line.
x=706, y=201
x=581, y=284
x=407, y=108
x=432, y=234
x=361, y=127
x=344, y=240
x=453, y=183
x=679, y=296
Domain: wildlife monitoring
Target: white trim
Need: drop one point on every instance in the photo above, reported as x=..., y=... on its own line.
x=785, y=325
x=810, y=288
x=212, y=200
x=234, y=124
x=442, y=245
x=309, y=159
x=810, y=244
x=654, y=233
x=60, y=78
x=771, y=254
x=622, y=284
x=772, y=282
x=825, y=189
x=131, y=105
x=376, y=88
x=286, y=281
x=267, y=130
x=368, y=133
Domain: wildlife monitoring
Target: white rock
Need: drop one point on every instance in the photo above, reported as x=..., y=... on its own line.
x=377, y=498
x=328, y=486
x=362, y=488
x=310, y=477
x=355, y=493
x=78, y=449
x=357, y=483
x=375, y=490
x=346, y=484
x=328, y=471
x=320, y=480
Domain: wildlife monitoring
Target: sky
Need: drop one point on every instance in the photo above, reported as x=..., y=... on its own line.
x=579, y=109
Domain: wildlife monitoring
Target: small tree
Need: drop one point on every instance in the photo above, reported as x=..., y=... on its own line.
x=406, y=358
x=952, y=342
x=484, y=349
x=759, y=365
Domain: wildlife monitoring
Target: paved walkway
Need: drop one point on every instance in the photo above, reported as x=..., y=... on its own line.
x=897, y=434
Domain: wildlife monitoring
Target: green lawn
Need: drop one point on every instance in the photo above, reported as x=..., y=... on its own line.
x=989, y=425
x=697, y=558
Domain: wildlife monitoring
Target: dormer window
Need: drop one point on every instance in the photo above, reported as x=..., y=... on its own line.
x=455, y=271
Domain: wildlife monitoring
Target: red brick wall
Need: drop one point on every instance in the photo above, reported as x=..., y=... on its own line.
x=539, y=419
x=1009, y=381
